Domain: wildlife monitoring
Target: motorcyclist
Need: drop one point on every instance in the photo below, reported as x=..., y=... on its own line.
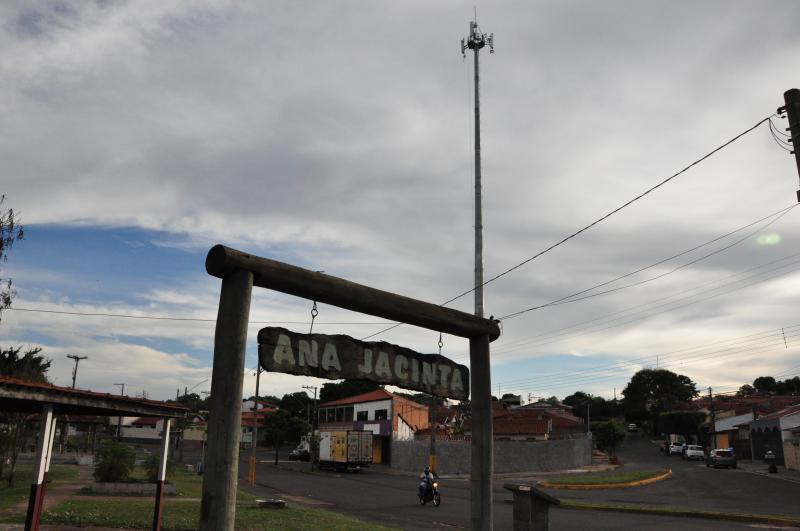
x=427, y=480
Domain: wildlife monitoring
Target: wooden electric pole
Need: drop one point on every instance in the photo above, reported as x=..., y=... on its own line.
x=792, y=99
x=75, y=370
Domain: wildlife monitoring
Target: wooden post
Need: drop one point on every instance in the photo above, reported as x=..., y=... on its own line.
x=39, y=468
x=531, y=507
x=220, y=476
x=286, y=278
x=162, y=475
x=482, y=466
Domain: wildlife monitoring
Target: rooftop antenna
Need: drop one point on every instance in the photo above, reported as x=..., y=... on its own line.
x=475, y=42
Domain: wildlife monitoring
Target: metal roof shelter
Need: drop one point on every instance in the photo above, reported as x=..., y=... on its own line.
x=23, y=396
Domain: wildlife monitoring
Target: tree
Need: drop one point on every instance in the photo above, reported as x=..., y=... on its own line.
x=686, y=423
x=346, y=388
x=296, y=404
x=274, y=400
x=280, y=426
x=765, y=384
x=745, y=390
x=30, y=366
x=598, y=407
x=653, y=391
x=608, y=435
x=10, y=231
x=194, y=402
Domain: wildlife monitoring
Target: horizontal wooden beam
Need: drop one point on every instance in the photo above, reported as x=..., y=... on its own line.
x=24, y=399
x=222, y=261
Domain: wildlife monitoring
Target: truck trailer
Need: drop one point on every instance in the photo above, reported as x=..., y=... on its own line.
x=344, y=449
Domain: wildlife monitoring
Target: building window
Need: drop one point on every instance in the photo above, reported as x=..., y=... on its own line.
x=361, y=415
x=331, y=415
x=381, y=414
x=348, y=414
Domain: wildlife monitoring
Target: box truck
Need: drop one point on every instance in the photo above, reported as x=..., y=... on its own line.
x=344, y=449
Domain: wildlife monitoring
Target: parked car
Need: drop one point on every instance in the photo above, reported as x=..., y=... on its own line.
x=676, y=448
x=694, y=451
x=299, y=454
x=721, y=457
x=632, y=427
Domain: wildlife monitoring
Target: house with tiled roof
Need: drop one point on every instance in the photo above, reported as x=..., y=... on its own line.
x=387, y=415
x=537, y=421
x=774, y=432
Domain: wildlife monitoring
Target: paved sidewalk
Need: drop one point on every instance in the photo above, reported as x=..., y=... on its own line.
x=757, y=467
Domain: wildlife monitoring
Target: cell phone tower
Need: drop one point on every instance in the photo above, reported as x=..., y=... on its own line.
x=475, y=42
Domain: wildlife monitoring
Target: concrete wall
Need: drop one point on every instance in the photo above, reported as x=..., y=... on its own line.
x=509, y=456
x=791, y=454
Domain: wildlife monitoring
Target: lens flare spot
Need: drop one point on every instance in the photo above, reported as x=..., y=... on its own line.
x=769, y=239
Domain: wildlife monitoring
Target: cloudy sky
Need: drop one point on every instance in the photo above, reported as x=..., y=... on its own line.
x=338, y=136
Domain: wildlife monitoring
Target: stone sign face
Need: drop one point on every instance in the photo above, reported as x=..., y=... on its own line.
x=338, y=356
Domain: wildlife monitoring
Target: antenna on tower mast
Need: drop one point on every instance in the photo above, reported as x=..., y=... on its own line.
x=475, y=41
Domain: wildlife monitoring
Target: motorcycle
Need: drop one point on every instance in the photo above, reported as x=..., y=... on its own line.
x=429, y=491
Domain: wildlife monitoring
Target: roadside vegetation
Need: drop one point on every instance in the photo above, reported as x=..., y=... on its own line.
x=10, y=496
x=180, y=512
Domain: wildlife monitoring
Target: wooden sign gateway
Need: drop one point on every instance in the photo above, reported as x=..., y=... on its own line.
x=338, y=356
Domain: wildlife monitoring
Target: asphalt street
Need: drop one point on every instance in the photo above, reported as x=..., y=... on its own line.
x=696, y=486
x=383, y=496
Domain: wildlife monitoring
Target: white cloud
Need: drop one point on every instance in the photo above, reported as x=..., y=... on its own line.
x=339, y=138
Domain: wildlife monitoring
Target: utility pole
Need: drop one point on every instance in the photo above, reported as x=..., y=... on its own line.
x=255, y=430
x=482, y=455
x=312, y=440
x=713, y=419
x=75, y=370
x=432, y=424
x=792, y=99
x=589, y=418
x=119, y=419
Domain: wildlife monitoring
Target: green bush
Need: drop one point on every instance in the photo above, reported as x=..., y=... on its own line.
x=114, y=462
x=608, y=435
x=151, y=468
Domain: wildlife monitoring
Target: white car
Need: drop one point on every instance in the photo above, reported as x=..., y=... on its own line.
x=694, y=451
x=676, y=448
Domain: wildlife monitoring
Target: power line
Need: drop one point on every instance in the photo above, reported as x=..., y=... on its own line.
x=571, y=298
x=591, y=380
x=553, y=335
x=726, y=343
x=679, y=358
x=611, y=213
x=595, y=222
x=190, y=319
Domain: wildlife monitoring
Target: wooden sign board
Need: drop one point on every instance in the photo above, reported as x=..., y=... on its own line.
x=338, y=356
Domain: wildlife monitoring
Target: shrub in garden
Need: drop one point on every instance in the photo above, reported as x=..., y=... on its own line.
x=608, y=435
x=114, y=462
x=151, y=468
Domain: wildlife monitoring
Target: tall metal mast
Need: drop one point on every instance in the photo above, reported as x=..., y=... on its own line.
x=475, y=42
x=482, y=455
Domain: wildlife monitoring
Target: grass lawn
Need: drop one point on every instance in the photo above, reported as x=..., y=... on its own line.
x=605, y=478
x=183, y=512
x=185, y=515
x=22, y=482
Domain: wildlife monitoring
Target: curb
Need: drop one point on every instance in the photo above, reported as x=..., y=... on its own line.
x=689, y=513
x=668, y=473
